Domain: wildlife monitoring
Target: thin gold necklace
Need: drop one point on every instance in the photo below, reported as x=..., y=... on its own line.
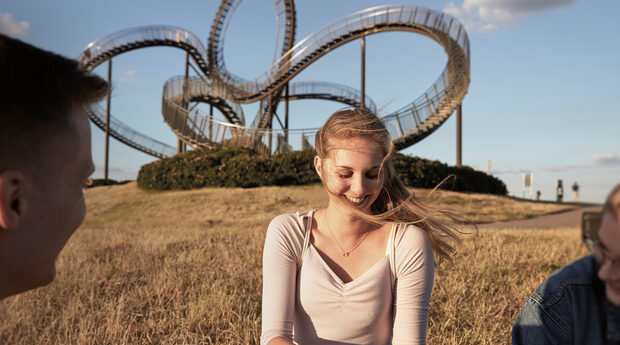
x=345, y=253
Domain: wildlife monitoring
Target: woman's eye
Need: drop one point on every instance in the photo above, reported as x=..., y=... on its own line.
x=344, y=175
x=372, y=177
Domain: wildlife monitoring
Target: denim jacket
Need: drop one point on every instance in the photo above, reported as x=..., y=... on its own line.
x=569, y=307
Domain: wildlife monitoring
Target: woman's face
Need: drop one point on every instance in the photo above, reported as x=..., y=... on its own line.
x=351, y=172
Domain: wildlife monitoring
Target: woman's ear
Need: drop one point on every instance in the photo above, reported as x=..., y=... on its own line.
x=318, y=166
x=12, y=201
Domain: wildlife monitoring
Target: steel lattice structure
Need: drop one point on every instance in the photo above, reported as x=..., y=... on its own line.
x=225, y=91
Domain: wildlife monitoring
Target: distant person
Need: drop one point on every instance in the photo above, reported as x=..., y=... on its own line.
x=537, y=195
x=579, y=303
x=359, y=271
x=575, y=192
x=559, y=191
x=45, y=158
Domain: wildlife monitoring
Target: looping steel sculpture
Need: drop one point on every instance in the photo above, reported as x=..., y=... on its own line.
x=225, y=91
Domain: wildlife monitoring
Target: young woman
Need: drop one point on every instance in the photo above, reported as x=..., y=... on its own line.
x=361, y=270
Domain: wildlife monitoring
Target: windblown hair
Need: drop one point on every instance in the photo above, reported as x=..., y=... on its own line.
x=38, y=90
x=612, y=204
x=395, y=203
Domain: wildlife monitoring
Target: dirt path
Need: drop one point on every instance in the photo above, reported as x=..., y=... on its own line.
x=562, y=219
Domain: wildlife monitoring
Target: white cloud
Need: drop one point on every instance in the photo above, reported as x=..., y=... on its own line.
x=510, y=171
x=607, y=159
x=559, y=168
x=468, y=19
x=598, y=160
x=12, y=28
x=485, y=15
x=128, y=76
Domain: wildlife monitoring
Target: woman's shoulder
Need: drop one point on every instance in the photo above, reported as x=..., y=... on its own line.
x=411, y=245
x=289, y=225
x=296, y=219
x=409, y=235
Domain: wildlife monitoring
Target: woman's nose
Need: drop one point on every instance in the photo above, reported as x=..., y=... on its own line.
x=358, y=186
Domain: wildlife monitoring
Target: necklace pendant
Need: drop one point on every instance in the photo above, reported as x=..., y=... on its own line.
x=345, y=254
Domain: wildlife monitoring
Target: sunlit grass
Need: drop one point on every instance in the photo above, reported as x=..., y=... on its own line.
x=185, y=268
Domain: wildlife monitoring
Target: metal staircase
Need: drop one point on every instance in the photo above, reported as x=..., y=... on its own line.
x=226, y=91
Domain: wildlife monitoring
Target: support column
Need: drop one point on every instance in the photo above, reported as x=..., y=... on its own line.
x=363, y=74
x=181, y=146
x=107, y=122
x=211, y=122
x=458, y=134
x=286, y=114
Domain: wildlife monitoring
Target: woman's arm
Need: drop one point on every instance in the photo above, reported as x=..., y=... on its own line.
x=279, y=280
x=414, y=283
x=280, y=341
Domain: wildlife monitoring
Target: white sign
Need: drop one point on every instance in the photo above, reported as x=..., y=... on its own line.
x=527, y=180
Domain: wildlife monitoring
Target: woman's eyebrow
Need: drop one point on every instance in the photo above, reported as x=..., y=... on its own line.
x=348, y=167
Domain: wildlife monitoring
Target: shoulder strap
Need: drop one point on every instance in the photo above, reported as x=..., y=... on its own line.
x=307, y=233
x=391, y=248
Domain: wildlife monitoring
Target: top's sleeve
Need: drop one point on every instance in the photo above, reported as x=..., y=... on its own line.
x=282, y=247
x=415, y=270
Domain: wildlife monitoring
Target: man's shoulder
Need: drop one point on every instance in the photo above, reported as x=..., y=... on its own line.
x=580, y=274
x=564, y=309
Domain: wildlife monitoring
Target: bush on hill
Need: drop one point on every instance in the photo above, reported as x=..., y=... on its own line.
x=242, y=167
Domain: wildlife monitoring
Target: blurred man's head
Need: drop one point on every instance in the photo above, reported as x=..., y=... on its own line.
x=45, y=158
x=609, y=242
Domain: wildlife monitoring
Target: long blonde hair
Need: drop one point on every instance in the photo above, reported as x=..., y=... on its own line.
x=395, y=203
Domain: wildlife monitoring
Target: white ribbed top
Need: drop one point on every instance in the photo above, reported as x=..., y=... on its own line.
x=313, y=305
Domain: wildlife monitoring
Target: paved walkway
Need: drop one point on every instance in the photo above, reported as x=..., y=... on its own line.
x=562, y=219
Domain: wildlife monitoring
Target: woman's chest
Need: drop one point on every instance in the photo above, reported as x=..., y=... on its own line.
x=364, y=302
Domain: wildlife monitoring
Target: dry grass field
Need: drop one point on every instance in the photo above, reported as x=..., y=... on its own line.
x=185, y=268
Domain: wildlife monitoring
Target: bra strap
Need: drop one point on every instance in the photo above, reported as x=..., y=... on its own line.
x=307, y=233
x=391, y=248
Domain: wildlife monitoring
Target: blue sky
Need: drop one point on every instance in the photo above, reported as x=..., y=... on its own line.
x=542, y=99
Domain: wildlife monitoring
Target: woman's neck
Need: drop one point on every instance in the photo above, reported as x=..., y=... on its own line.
x=345, y=223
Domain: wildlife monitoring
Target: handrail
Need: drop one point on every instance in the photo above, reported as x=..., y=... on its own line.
x=332, y=91
x=367, y=21
x=127, y=135
x=225, y=91
x=139, y=37
x=285, y=37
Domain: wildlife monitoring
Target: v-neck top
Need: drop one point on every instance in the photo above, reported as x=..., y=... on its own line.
x=312, y=305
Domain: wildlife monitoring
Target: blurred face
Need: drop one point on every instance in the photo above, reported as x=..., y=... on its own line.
x=54, y=203
x=350, y=173
x=609, y=237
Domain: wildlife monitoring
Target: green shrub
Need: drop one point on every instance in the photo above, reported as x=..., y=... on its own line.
x=242, y=167
x=423, y=173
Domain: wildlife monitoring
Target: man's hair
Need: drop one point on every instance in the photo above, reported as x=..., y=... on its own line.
x=38, y=91
x=612, y=204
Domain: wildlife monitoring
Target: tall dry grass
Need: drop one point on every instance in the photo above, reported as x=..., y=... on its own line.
x=185, y=268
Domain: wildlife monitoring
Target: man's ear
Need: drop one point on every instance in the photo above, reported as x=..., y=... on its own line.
x=12, y=201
